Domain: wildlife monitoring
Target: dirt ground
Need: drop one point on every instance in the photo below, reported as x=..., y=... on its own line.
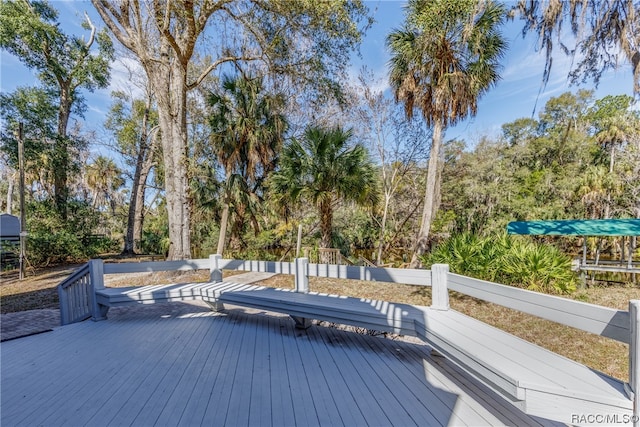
x=38, y=291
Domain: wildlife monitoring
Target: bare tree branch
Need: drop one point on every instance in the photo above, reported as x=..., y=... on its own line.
x=106, y=11
x=93, y=30
x=215, y=64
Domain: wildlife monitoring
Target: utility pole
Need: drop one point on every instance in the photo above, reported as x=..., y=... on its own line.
x=23, y=232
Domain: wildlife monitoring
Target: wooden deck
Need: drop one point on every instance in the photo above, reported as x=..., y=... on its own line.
x=181, y=364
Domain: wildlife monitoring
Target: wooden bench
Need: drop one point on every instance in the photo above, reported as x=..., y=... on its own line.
x=538, y=381
x=532, y=378
x=302, y=307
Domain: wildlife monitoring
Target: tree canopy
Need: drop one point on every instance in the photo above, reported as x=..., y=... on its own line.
x=605, y=34
x=323, y=168
x=305, y=42
x=65, y=64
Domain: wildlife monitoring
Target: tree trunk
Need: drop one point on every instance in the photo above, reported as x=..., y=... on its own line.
x=236, y=241
x=612, y=157
x=429, y=209
x=223, y=229
x=169, y=82
x=144, y=162
x=61, y=153
x=140, y=198
x=383, y=227
x=326, y=222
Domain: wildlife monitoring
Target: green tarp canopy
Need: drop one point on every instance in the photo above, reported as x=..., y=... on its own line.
x=577, y=227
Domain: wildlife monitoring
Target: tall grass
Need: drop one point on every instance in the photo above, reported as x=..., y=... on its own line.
x=506, y=259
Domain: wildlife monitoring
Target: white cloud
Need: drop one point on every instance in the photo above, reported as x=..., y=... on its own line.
x=380, y=81
x=128, y=76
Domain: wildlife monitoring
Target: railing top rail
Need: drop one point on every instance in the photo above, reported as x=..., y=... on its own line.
x=79, y=272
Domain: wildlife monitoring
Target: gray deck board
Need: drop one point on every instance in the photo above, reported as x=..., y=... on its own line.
x=238, y=367
x=337, y=381
x=239, y=403
x=206, y=375
x=349, y=373
x=282, y=405
x=224, y=377
x=317, y=366
x=304, y=409
x=421, y=403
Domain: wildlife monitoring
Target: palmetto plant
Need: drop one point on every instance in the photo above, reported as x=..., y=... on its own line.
x=247, y=131
x=442, y=61
x=506, y=259
x=539, y=267
x=323, y=168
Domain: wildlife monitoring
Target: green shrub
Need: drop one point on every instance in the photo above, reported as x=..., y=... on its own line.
x=539, y=267
x=506, y=259
x=52, y=240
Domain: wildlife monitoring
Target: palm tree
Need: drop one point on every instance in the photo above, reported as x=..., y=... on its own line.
x=104, y=178
x=323, y=169
x=594, y=189
x=247, y=133
x=614, y=123
x=444, y=58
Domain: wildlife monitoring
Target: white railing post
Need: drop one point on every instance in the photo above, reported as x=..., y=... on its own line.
x=302, y=285
x=215, y=273
x=96, y=275
x=65, y=314
x=634, y=358
x=302, y=275
x=439, y=288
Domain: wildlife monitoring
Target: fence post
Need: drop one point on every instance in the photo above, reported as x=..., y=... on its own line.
x=439, y=288
x=634, y=358
x=302, y=275
x=96, y=276
x=302, y=286
x=215, y=273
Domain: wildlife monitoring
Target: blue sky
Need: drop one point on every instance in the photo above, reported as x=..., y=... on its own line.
x=513, y=97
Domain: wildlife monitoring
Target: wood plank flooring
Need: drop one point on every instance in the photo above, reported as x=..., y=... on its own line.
x=180, y=364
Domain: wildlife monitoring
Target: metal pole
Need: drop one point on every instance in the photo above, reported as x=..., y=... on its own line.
x=23, y=232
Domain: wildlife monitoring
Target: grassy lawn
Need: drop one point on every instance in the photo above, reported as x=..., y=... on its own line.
x=611, y=357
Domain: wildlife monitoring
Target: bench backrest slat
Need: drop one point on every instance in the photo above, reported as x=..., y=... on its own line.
x=604, y=321
x=259, y=266
x=155, y=266
x=392, y=275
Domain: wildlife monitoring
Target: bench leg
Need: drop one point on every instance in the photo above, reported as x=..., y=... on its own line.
x=216, y=306
x=101, y=314
x=302, y=322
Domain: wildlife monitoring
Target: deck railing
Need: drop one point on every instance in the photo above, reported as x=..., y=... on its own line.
x=77, y=298
x=75, y=295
